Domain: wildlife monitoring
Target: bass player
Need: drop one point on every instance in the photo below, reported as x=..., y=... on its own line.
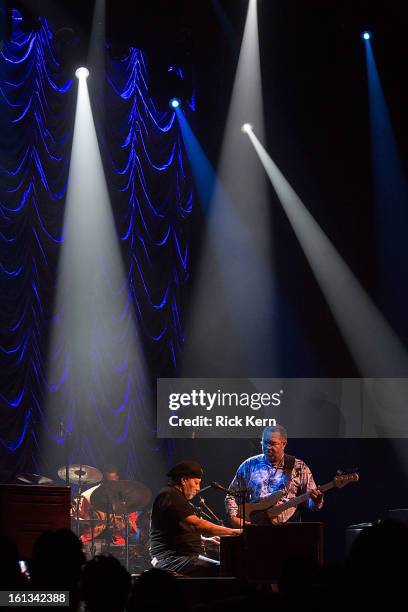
x=269, y=473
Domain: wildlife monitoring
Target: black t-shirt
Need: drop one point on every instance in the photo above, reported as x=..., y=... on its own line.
x=167, y=537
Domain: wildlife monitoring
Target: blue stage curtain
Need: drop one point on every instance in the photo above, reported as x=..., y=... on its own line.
x=152, y=199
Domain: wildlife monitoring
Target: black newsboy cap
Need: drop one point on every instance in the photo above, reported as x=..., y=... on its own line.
x=186, y=468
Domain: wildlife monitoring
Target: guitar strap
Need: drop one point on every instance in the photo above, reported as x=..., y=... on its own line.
x=288, y=465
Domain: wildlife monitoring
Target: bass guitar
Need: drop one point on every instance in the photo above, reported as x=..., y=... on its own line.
x=271, y=507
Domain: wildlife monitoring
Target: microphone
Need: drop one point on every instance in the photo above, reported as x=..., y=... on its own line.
x=216, y=485
x=61, y=429
x=202, y=490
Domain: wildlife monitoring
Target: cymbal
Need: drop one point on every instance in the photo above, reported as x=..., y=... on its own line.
x=120, y=496
x=80, y=474
x=34, y=479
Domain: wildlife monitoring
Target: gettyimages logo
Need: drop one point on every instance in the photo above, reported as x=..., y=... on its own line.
x=214, y=407
x=221, y=399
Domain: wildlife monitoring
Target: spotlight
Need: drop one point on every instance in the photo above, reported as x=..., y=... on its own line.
x=247, y=127
x=82, y=73
x=365, y=35
x=174, y=103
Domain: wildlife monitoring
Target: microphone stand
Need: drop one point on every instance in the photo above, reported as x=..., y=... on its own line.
x=127, y=539
x=63, y=431
x=211, y=515
x=110, y=516
x=93, y=547
x=126, y=518
x=240, y=496
x=241, y=499
x=79, y=497
x=79, y=490
x=204, y=514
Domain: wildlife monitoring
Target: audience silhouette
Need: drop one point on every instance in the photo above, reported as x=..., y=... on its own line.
x=373, y=572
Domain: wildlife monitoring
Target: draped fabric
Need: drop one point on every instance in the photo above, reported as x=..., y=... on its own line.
x=151, y=196
x=153, y=202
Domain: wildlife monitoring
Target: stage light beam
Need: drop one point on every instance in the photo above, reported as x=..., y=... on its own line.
x=247, y=127
x=96, y=362
x=390, y=191
x=231, y=325
x=174, y=103
x=377, y=351
x=376, y=354
x=82, y=73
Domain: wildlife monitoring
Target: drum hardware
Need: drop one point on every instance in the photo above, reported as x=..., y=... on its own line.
x=80, y=475
x=34, y=479
x=114, y=498
x=83, y=521
x=120, y=497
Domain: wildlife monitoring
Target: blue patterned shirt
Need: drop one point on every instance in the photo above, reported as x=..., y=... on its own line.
x=261, y=479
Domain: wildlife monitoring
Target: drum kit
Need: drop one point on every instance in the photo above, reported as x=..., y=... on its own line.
x=110, y=505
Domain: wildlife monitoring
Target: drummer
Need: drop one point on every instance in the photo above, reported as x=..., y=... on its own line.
x=117, y=526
